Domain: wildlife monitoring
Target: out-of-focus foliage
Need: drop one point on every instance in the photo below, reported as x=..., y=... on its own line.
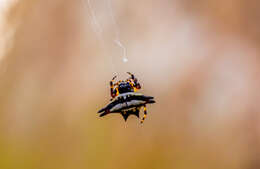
x=200, y=59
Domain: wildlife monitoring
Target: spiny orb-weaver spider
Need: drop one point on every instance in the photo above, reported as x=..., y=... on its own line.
x=125, y=99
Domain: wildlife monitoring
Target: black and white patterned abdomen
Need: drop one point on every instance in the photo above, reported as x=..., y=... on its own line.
x=127, y=101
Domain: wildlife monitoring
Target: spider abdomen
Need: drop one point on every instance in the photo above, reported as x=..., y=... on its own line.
x=127, y=104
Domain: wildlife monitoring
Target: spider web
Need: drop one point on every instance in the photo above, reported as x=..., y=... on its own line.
x=97, y=28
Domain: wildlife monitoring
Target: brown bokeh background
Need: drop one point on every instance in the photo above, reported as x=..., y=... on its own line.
x=199, y=59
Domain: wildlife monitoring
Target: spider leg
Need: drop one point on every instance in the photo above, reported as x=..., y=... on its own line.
x=112, y=91
x=132, y=76
x=134, y=81
x=145, y=114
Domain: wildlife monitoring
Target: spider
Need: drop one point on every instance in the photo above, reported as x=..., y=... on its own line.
x=125, y=99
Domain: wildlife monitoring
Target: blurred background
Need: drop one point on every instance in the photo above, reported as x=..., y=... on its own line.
x=199, y=59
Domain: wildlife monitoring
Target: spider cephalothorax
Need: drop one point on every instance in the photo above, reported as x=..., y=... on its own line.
x=125, y=100
x=129, y=85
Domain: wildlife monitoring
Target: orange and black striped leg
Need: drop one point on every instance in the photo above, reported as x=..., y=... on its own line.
x=112, y=91
x=132, y=76
x=136, y=84
x=145, y=114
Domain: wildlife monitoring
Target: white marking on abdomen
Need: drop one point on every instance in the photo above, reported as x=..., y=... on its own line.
x=125, y=105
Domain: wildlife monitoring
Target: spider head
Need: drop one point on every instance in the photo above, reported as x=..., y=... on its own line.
x=125, y=87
